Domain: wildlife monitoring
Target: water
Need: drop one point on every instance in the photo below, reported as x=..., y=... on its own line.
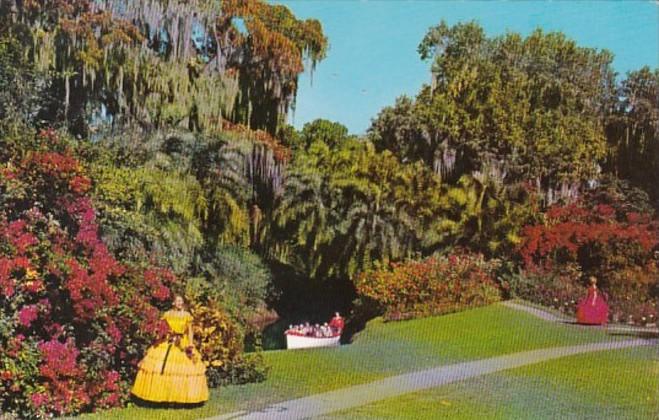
x=373, y=59
x=273, y=335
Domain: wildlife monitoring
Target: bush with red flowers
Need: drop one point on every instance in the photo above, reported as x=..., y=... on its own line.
x=618, y=247
x=74, y=321
x=433, y=286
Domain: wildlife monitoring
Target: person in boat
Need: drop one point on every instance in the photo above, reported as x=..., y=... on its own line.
x=337, y=323
x=172, y=371
x=296, y=329
x=326, y=330
x=317, y=332
x=593, y=309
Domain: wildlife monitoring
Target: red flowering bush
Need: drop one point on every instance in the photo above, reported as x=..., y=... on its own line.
x=74, y=321
x=619, y=248
x=590, y=236
x=433, y=286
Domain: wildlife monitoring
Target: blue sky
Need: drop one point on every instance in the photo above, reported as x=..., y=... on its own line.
x=372, y=57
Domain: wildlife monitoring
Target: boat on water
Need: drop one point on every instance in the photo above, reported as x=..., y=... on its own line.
x=295, y=340
x=306, y=336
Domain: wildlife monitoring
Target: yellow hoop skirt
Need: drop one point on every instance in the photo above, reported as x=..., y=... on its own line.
x=182, y=381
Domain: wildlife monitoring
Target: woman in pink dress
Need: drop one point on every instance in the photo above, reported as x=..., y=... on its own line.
x=593, y=310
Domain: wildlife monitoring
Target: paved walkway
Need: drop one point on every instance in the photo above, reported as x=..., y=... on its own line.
x=539, y=313
x=548, y=316
x=358, y=395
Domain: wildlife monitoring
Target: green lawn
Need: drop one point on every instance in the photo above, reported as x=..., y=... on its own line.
x=381, y=350
x=619, y=384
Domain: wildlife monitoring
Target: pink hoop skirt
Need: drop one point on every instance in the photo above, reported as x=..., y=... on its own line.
x=593, y=310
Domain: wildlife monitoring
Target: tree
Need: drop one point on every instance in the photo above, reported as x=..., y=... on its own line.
x=345, y=207
x=633, y=131
x=21, y=87
x=328, y=132
x=166, y=63
x=523, y=108
x=484, y=215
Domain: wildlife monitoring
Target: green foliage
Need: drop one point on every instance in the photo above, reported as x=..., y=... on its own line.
x=621, y=195
x=346, y=207
x=238, y=276
x=21, y=87
x=221, y=341
x=328, y=132
x=251, y=368
x=522, y=108
x=633, y=132
x=183, y=199
x=149, y=211
x=165, y=63
x=189, y=189
x=483, y=215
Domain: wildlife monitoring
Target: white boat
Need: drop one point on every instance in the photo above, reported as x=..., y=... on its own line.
x=297, y=341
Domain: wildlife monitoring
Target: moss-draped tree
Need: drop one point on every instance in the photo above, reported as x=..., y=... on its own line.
x=155, y=63
x=633, y=131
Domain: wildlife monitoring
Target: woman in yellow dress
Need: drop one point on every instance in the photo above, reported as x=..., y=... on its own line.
x=173, y=371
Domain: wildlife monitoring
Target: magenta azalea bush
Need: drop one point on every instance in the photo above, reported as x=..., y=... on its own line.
x=74, y=321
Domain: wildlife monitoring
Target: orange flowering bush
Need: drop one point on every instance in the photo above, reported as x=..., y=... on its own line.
x=433, y=286
x=220, y=342
x=216, y=336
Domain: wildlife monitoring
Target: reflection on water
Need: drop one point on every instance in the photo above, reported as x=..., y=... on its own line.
x=273, y=335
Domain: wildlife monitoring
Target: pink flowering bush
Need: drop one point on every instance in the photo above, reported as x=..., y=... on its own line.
x=74, y=321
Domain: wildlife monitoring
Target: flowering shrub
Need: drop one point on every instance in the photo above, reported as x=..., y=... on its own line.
x=74, y=321
x=433, y=286
x=221, y=344
x=633, y=294
x=602, y=240
x=216, y=336
x=555, y=289
x=590, y=236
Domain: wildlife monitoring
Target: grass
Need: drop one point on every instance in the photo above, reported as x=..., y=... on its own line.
x=611, y=384
x=382, y=349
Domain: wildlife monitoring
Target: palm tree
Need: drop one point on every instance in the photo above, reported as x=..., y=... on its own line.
x=344, y=208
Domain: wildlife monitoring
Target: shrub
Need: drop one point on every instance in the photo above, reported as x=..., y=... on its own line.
x=597, y=238
x=247, y=368
x=220, y=338
x=593, y=238
x=74, y=320
x=433, y=286
x=239, y=275
x=556, y=289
